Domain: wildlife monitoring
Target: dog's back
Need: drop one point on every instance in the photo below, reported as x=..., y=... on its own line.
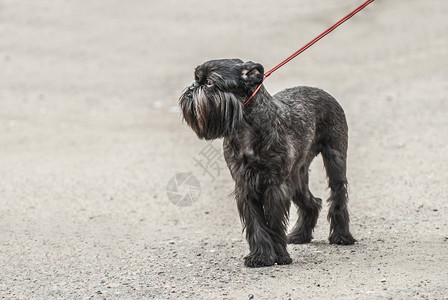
x=313, y=103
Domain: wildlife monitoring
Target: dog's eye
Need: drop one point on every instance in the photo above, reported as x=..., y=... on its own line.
x=209, y=82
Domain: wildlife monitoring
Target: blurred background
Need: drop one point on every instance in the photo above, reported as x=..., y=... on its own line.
x=90, y=135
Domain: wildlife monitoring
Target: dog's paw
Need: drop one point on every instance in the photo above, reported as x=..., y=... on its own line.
x=257, y=261
x=283, y=260
x=299, y=238
x=341, y=239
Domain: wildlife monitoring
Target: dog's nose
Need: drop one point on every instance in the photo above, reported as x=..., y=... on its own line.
x=194, y=85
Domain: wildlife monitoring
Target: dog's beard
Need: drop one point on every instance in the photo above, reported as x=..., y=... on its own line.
x=211, y=114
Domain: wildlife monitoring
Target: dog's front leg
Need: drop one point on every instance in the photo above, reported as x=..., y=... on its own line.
x=262, y=251
x=276, y=204
x=264, y=216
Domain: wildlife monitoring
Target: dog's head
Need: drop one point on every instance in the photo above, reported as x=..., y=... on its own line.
x=213, y=105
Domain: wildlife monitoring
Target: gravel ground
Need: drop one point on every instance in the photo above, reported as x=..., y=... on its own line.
x=90, y=137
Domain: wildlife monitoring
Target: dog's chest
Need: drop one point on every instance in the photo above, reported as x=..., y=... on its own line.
x=251, y=154
x=240, y=149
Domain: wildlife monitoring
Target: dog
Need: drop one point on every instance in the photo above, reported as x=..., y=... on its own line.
x=268, y=147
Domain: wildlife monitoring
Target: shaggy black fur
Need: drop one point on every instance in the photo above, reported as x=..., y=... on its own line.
x=268, y=146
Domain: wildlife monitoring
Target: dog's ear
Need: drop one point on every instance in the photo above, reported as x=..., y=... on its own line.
x=252, y=73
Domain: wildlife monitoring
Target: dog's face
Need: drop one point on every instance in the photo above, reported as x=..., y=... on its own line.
x=213, y=105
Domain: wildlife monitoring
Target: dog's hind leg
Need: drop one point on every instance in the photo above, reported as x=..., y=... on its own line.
x=308, y=208
x=334, y=157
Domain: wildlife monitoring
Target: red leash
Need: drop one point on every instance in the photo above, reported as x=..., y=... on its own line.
x=268, y=73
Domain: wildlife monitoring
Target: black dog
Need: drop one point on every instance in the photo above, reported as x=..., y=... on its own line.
x=268, y=146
